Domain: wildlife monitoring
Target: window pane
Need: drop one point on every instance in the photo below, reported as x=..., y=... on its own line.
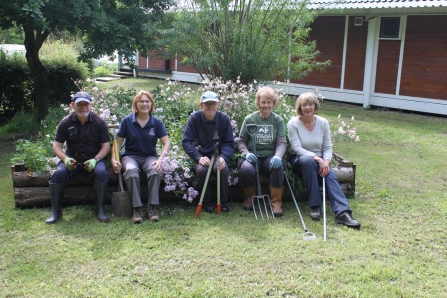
x=389, y=27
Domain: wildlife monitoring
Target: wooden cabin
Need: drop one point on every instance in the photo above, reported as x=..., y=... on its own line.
x=389, y=53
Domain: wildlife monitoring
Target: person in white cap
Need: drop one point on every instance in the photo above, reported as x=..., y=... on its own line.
x=87, y=141
x=209, y=126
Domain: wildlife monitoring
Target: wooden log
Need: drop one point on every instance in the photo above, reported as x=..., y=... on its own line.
x=34, y=191
x=27, y=197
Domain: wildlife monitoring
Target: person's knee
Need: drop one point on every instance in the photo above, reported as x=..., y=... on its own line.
x=131, y=173
x=101, y=175
x=59, y=176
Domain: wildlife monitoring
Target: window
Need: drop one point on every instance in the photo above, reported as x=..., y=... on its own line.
x=390, y=28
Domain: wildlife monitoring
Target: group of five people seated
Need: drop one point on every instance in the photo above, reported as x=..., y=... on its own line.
x=85, y=134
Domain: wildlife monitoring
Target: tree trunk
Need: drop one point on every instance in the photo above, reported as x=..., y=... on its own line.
x=33, y=43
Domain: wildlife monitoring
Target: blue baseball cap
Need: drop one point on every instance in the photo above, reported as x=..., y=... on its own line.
x=82, y=96
x=209, y=96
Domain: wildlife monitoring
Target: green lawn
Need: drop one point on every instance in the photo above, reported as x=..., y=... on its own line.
x=400, y=251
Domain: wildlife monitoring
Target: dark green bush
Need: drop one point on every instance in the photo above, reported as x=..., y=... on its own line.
x=63, y=67
x=16, y=85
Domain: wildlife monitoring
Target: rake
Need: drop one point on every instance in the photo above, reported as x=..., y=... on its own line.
x=307, y=235
x=260, y=199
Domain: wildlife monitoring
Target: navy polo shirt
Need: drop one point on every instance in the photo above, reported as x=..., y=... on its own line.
x=208, y=133
x=83, y=139
x=141, y=141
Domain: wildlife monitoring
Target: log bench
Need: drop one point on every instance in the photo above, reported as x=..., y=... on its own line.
x=33, y=191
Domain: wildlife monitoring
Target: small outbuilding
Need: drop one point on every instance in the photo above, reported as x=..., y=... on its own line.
x=384, y=53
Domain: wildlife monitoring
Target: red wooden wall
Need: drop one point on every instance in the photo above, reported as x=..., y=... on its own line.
x=387, y=66
x=328, y=32
x=424, y=67
x=355, y=55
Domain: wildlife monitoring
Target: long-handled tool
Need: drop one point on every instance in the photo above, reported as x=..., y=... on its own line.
x=324, y=208
x=307, y=235
x=210, y=168
x=218, y=208
x=121, y=204
x=252, y=129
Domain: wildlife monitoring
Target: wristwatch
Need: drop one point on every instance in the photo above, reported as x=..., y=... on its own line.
x=97, y=159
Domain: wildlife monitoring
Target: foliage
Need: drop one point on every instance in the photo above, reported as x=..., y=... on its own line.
x=35, y=155
x=22, y=122
x=262, y=40
x=344, y=132
x=17, y=92
x=61, y=61
x=13, y=35
x=104, y=69
x=105, y=26
x=15, y=86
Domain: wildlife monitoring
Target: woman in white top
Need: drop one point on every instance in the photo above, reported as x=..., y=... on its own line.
x=310, y=156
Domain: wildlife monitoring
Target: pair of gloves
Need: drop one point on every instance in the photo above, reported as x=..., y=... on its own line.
x=276, y=161
x=89, y=164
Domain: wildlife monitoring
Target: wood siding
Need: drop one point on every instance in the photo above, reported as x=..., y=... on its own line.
x=188, y=68
x=387, y=66
x=355, y=55
x=424, y=67
x=142, y=62
x=328, y=32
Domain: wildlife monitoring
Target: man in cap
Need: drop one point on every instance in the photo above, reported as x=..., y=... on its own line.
x=203, y=130
x=87, y=143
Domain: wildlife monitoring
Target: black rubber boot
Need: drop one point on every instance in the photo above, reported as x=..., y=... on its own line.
x=57, y=195
x=100, y=194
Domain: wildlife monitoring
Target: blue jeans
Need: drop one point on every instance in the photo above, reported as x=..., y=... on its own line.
x=307, y=168
x=62, y=175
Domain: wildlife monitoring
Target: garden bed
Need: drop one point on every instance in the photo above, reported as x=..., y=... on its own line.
x=33, y=191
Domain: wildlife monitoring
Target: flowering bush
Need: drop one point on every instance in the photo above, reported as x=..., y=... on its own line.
x=174, y=102
x=344, y=132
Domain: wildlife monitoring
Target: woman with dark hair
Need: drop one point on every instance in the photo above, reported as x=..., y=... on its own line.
x=142, y=130
x=310, y=156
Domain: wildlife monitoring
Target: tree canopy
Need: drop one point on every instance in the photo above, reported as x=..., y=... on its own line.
x=249, y=39
x=105, y=26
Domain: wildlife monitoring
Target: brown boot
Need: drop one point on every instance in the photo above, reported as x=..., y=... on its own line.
x=138, y=215
x=276, y=200
x=248, y=194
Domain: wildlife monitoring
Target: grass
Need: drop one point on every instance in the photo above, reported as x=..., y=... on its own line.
x=131, y=83
x=399, y=252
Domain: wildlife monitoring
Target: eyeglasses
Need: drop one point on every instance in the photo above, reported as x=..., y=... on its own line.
x=210, y=104
x=144, y=102
x=308, y=105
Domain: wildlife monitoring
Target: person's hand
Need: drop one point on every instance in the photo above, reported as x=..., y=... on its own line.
x=90, y=165
x=324, y=167
x=116, y=166
x=204, y=161
x=70, y=163
x=251, y=158
x=158, y=165
x=276, y=162
x=221, y=164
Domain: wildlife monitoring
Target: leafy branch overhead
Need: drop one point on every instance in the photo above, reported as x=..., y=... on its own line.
x=105, y=26
x=254, y=39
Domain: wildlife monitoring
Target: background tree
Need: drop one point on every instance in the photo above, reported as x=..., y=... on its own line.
x=105, y=26
x=253, y=39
